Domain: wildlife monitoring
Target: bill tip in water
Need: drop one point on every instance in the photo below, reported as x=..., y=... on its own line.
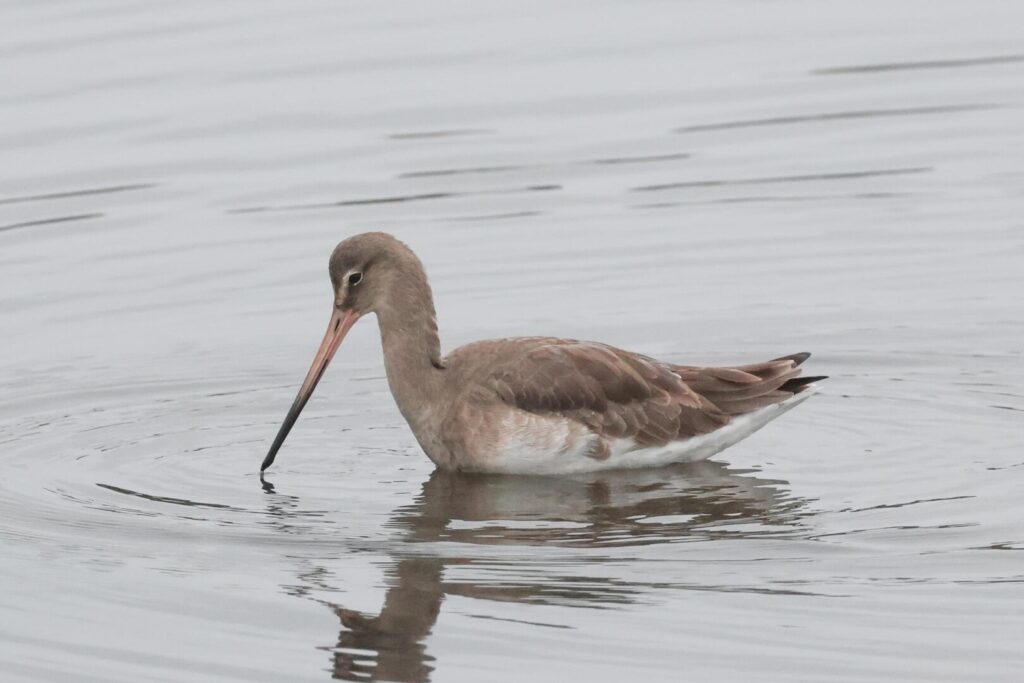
x=267, y=462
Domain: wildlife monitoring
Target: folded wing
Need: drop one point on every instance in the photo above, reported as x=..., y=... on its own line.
x=619, y=394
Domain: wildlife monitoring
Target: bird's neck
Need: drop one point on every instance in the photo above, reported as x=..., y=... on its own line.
x=412, y=348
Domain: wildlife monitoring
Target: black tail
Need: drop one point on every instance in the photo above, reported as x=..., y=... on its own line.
x=798, y=384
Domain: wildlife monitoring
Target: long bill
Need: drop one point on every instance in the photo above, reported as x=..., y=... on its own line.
x=341, y=322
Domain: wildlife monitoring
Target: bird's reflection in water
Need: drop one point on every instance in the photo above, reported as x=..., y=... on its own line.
x=584, y=513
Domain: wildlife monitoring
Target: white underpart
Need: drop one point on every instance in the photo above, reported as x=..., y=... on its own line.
x=552, y=449
x=533, y=444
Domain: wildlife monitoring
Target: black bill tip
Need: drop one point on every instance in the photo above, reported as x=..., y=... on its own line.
x=267, y=462
x=286, y=426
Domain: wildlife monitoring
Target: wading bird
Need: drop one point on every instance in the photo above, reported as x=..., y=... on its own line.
x=537, y=405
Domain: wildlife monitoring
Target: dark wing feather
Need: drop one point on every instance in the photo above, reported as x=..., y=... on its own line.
x=614, y=392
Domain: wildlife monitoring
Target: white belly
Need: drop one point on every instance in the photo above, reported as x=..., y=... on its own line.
x=533, y=444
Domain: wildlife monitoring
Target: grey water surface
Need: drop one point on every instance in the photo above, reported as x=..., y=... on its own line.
x=708, y=182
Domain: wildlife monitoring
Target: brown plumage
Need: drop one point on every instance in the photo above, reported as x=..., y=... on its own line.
x=617, y=393
x=535, y=404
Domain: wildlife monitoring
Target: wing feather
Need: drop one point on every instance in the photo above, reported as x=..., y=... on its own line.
x=619, y=394
x=616, y=393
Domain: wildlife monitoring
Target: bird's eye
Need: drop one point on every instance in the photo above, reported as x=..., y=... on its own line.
x=354, y=279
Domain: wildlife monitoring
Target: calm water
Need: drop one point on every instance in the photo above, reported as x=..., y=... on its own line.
x=709, y=182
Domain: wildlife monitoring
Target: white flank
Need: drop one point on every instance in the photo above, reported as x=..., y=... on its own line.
x=524, y=453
